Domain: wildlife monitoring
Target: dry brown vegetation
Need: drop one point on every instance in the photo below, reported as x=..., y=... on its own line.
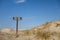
x=49, y=31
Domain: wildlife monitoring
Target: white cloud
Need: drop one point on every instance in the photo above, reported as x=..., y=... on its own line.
x=20, y=1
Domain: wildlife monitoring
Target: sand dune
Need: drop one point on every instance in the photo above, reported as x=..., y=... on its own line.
x=48, y=31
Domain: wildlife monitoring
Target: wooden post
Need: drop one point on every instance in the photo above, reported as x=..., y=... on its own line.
x=17, y=19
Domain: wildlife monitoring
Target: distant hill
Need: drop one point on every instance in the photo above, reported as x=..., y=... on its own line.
x=47, y=31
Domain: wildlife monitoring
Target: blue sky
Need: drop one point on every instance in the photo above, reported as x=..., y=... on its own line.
x=33, y=12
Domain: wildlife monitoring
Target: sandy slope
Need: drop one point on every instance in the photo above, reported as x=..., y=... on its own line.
x=48, y=31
